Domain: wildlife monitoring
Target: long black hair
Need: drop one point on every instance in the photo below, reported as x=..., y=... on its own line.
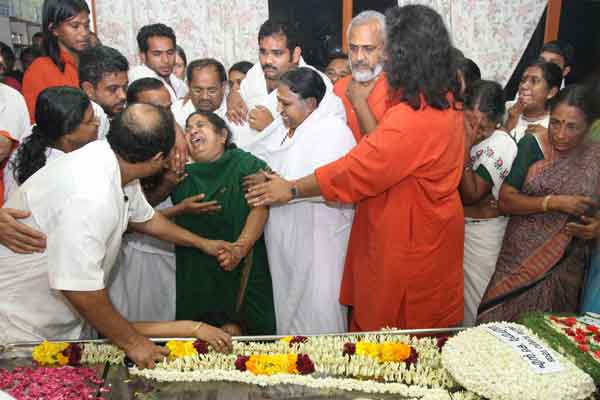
x=59, y=110
x=54, y=13
x=421, y=63
x=219, y=124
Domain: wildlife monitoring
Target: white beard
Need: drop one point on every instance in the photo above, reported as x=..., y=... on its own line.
x=366, y=76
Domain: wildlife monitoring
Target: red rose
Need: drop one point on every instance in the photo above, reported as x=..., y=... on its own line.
x=304, y=364
x=349, y=349
x=580, y=332
x=581, y=339
x=569, y=321
x=298, y=339
x=201, y=346
x=569, y=331
x=73, y=352
x=441, y=342
x=240, y=363
x=597, y=353
x=597, y=338
x=592, y=328
x=413, y=358
x=583, y=347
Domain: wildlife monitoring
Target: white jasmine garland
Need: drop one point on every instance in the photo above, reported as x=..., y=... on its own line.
x=486, y=365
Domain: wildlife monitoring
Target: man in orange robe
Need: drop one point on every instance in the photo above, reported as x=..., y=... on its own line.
x=404, y=266
x=365, y=92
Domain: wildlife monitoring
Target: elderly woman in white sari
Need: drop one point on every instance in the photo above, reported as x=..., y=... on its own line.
x=489, y=154
x=306, y=240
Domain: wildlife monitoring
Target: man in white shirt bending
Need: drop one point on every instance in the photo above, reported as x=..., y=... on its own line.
x=157, y=44
x=84, y=202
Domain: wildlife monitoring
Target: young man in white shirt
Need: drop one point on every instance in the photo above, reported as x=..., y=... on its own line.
x=157, y=44
x=103, y=78
x=207, y=81
x=84, y=201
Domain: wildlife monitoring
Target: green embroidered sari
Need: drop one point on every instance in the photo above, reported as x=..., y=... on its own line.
x=204, y=289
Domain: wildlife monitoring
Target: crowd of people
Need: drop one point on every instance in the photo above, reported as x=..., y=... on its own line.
x=395, y=188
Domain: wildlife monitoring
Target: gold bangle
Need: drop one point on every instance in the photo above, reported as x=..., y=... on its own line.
x=545, y=203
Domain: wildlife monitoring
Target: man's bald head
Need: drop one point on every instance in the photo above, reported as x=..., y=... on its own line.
x=142, y=131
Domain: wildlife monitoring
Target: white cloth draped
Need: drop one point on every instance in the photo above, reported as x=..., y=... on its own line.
x=254, y=92
x=307, y=239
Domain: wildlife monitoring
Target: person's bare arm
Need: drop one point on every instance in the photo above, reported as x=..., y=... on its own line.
x=217, y=338
x=513, y=202
x=253, y=228
x=472, y=187
x=96, y=308
x=192, y=205
x=358, y=94
x=162, y=228
x=279, y=191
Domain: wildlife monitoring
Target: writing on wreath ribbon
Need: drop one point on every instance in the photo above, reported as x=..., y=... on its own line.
x=540, y=359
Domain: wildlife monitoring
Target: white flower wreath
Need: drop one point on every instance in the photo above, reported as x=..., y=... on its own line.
x=498, y=369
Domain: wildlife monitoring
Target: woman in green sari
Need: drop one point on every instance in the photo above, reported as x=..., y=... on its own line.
x=234, y=281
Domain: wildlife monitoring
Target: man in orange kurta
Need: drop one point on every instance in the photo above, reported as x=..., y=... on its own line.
x=365, y=91
x=43, y=73
x=378, y=102
x=405, y=255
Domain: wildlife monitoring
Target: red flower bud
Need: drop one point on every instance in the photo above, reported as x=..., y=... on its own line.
x=304, y=364
x=413, y=358
x=583, y=347
x=442, y=341
x=201, y=346
x=73, y=352
x=349, y=349
x=298, y=339
x=240, y=363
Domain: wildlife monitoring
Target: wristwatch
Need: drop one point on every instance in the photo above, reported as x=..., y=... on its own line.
x=294, y=191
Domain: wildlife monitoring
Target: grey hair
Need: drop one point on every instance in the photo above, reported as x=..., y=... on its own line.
x=368, y=16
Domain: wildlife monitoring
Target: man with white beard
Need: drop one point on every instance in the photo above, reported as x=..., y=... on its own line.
x=254, y=107
x=365, y=92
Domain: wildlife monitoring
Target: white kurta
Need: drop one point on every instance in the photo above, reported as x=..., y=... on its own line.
x=483, y=237
x=14, y=116
x=254, y=92
x=307, y=240
x=177, y=89
x=79, y=203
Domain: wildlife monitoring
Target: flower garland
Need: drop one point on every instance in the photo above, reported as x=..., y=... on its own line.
x=271, y=364
x=388, y=364
x=57, y=353
x=492, y=368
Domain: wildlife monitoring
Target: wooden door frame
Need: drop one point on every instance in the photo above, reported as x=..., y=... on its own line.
x=552, y=20
x=347, y=9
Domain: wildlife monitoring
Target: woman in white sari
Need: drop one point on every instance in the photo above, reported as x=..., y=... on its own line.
x=489, y=154
x=306, y=239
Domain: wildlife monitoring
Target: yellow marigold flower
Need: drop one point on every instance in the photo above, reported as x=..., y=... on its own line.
x=394, y=352
x=47, y=353
x=287, y=339
x=367, y=349
x=179, y=348
x=62, y=359
x=265, y=364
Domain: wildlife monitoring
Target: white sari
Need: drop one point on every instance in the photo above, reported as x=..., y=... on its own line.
x=483, y=237
x=307, y=239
